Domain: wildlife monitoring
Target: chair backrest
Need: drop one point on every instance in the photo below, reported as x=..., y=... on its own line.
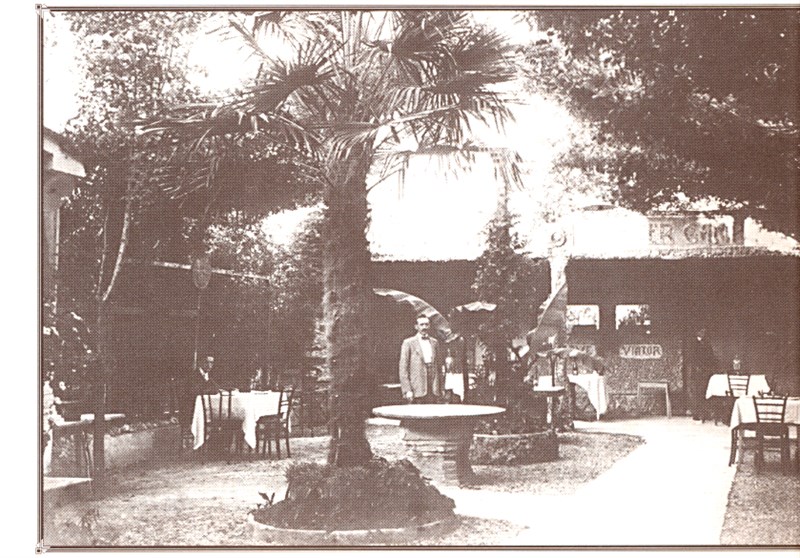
x=285, y=402
x=219, y=410
x=770, y=408
x=738, y=384
x=208, y=407
x=225, y=404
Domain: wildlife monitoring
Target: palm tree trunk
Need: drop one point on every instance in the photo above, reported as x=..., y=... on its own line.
x=346, y=303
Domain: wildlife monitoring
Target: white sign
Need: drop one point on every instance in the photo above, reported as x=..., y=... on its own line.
x=688, y=231
x=640, y=352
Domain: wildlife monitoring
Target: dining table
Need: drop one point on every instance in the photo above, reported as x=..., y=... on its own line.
x=249, y=406
x=744, y=411
x=592, y=383
x=718, y=385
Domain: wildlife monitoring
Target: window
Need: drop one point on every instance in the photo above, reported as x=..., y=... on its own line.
x=583, y=315
x=632, y=315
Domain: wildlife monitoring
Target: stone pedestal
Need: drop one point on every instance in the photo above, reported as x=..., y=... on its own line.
x=441, y=450
x=438, y=437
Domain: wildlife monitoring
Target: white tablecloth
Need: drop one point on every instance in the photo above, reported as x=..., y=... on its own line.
x=593, y=384
x=744, y=410
x=248, y=406
x=455, y=382
x=718, y=385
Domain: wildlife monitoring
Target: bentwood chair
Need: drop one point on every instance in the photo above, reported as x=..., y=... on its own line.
x=771, y=432
x=220, y=425
x=272, y=428
x=738, y=386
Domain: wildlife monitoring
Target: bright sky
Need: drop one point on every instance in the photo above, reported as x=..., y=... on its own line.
x=219, y=65
x=61, y=78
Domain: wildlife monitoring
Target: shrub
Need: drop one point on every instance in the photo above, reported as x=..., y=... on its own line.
x=378, y=495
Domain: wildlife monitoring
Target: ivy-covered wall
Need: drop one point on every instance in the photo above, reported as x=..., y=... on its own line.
x=749, y=307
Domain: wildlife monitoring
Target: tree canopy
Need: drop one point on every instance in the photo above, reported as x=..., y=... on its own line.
x=352, y=86
x=697, y=102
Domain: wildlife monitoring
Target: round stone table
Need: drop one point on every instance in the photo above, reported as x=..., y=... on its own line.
x=439, y=436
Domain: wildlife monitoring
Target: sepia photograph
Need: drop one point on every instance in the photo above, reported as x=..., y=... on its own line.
x=418, y=277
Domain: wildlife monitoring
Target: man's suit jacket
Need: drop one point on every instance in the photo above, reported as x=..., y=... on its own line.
x=414, y=373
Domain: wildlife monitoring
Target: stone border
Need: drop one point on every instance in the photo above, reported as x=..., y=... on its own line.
x=513, y=449
x=262, y=532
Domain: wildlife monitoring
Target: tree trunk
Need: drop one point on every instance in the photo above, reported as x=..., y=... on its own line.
x=346, y=306
x=100, y=380
x=103, y=338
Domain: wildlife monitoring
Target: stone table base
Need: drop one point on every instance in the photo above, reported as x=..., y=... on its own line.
x=441, y=449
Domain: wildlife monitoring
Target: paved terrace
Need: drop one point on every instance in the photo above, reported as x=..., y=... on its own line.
x=672, y=490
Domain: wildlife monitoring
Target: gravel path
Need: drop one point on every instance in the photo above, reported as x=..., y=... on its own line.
x=186, y=502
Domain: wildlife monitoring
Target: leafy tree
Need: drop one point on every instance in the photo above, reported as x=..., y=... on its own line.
x=697, y=102
x=353, y=86
x=507, y=277
x=271, y=321
x=129, y=69
x=136, y=63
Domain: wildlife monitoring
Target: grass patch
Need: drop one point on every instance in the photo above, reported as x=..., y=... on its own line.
x=762, y=508
x=583, y=456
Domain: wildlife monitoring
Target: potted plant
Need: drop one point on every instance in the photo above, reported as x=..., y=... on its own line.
x=508, y=279
x=380, y=502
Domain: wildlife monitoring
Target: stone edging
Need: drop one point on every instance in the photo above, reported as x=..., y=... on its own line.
x=261, y=532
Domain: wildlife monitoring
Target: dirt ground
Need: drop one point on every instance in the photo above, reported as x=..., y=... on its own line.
x=187, y=502
x=763, y=508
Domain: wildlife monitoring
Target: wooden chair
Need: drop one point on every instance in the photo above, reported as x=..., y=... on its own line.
x=274, y=427
x=721, y=407
x=772, y=433
x=657, y=385
x=220, y=425
x=738, y=384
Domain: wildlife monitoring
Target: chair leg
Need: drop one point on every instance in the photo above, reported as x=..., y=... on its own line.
x=277, y=435
x=288, y=452
x=734, y=445
x=786, y=456
x=669, y=405
x=638, y=398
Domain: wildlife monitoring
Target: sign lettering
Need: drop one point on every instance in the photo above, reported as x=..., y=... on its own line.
x=689, y=231
x=641, y=352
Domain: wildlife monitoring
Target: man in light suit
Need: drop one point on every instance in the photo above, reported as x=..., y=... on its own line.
x=421, y=375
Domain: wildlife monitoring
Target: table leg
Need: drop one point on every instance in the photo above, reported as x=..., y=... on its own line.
x=440, y=449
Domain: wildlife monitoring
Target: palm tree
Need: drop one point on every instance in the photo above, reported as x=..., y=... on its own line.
x=356, y=86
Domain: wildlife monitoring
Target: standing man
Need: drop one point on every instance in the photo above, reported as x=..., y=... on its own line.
x=421, y=371
x=700, y=364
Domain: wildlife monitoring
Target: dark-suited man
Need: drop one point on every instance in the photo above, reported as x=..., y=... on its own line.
x=421, y=373
x=700, y=363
